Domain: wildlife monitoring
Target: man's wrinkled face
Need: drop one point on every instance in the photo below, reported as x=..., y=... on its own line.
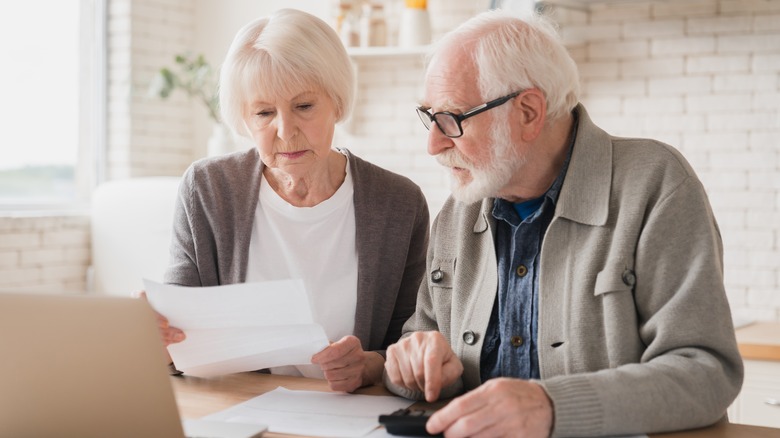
x=483, y=160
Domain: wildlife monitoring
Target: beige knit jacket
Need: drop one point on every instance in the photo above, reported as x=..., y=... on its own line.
x=635, y=332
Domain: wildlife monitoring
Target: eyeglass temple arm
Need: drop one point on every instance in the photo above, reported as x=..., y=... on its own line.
x=488, y=105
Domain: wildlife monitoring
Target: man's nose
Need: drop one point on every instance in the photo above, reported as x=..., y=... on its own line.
x=437, y=141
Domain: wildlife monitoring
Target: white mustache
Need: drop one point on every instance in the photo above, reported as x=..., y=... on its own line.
x=452, y=158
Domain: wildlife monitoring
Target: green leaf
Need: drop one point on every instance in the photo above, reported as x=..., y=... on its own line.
x=194, y=76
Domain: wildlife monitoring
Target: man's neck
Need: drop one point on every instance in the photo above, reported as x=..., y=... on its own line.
x=544, y=163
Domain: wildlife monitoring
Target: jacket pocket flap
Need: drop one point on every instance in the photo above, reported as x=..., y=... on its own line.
x=441, y=273
x=615, y=278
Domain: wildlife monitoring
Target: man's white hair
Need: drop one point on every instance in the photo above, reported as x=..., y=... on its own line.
x=512, y=53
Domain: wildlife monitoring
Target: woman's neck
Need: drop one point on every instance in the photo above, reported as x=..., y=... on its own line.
x=310, y=189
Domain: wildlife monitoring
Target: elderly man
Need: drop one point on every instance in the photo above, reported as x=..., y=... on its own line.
x=574, y=280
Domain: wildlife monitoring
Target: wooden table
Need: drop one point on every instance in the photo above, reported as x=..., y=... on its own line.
x=198, y=397
x=760, y=341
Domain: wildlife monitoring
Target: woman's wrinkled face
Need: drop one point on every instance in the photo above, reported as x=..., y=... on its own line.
x=293, y=133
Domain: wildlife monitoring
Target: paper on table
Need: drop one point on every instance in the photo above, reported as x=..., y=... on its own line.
x=313, y=413
x=238, y=327
x=382, y=433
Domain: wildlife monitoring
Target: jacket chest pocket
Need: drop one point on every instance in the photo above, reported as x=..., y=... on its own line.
x=616, y=306
x=440, y=278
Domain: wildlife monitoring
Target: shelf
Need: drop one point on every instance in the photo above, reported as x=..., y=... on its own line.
x=386, y=51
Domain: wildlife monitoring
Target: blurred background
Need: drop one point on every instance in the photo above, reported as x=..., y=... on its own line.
x=84, y=123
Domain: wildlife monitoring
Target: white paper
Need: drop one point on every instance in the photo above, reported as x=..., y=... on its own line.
x=238, y=327
x=313, y=413
x=382, y=433
x=221, y=429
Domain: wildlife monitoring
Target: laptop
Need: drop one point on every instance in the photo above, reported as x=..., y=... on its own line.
x=89, y=366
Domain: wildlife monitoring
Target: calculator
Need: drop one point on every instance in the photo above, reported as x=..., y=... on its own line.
x=408, y=422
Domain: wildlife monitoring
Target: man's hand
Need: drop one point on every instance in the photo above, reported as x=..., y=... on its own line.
x=424, y=362
x=347, y=367
x=500, y=407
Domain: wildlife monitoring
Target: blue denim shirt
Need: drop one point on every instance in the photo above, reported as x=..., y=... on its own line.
x=510, y=348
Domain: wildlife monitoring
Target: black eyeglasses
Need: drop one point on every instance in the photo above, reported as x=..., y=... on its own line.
x=449, y=123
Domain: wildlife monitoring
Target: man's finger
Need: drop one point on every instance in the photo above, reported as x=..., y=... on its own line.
x=451, y=370
x=391, y=366
x=432, y=363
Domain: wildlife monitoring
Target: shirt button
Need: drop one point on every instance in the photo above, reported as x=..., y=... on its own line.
x=629, y=277
x=437, y=276
x=469, y=337
x=521, y=271
x=516, y=341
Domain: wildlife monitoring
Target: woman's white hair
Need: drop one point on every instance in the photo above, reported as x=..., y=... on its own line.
x=281, y=55
x=513, y=53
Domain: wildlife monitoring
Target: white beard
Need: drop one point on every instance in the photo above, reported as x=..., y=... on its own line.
x=487, y=181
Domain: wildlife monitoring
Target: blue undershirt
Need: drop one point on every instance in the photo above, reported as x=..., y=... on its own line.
x=527, y=208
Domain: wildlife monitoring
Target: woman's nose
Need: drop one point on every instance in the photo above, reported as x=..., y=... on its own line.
x=285, y=126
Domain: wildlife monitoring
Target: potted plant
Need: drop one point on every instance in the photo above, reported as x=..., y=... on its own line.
x=194, y=75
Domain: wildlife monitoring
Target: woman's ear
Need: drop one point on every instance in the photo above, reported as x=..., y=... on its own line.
x=530, y=108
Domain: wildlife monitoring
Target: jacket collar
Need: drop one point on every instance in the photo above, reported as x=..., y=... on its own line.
x=585, y=193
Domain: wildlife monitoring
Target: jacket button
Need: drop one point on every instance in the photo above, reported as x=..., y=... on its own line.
x=437, y=276
x=521, y=271
x=469, y=337
x=629, y=277
x=516, y=341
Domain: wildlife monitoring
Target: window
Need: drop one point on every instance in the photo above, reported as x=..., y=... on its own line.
x=49, y=113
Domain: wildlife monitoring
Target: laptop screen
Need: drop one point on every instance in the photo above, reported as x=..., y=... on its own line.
x=82, y=366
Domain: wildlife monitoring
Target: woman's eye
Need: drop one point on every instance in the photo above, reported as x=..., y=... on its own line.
x=305, y=106
x=265, y=113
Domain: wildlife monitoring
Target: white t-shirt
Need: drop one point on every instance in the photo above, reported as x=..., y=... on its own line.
x=316, y=244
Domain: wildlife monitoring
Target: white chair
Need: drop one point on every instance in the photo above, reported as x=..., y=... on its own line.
x=131, y=232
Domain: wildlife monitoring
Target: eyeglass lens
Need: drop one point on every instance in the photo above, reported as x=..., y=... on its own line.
x=447, y=123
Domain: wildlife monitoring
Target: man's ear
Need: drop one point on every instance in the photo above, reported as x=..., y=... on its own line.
x=530, y=108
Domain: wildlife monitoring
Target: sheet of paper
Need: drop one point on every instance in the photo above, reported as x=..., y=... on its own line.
x=382, y=433
x=313, y=413
x=239, y=327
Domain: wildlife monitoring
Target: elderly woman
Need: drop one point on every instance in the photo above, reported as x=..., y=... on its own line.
x=296, y=207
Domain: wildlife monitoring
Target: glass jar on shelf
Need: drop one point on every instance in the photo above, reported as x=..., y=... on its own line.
x=347, y=26
x=373, y=26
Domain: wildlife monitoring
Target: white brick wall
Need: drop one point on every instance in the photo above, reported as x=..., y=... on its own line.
x=148, y=136
x=702, y=75
x=44, y=253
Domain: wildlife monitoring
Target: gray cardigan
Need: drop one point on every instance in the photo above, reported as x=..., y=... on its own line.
x=635, y=332
x=213, y=220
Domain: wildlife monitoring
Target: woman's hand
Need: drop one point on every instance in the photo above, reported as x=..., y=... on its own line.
x=169, y=335
x=347, y=367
